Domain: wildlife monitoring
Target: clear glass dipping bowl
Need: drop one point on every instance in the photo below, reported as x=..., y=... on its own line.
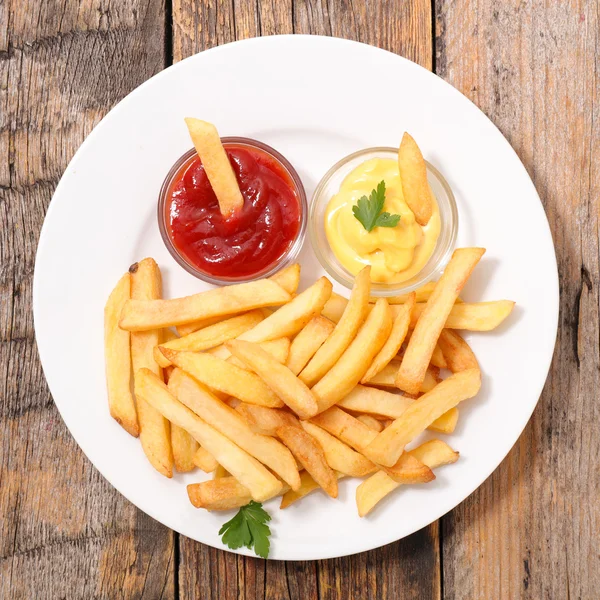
x=330, y=185
x=284, y=260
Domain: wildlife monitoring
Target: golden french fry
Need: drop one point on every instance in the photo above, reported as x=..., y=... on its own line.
x=334, y=307
x=437, y=358
x=210, y=336
x=117, y=352
x=277, y=376
x=340, y=457
x=356, y=434
x=140, y=315
x=394, y=341
x=247, y=470
x=307, y=485
x=224, y=377
x=387, y=447
x=266, y=420
x=184, y=448
x=472, y=316
x=292, y=317
x=387, y=377
x=354, y=362
x=413, y=176
x=429, y=326
x=385, y=404
x=216, y=165
x=205, y=461
x=433, y=454
x=288, y=278
x=309, y=453
x=220, y=472
x=446, y=423
x=307, y=342
x=279, y=349
x=457, y=352
x=343, y=334
x=224, y=493
x=228, y=422
x=371, y=422
x=155, y=433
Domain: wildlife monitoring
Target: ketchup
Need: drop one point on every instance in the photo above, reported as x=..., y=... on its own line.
x=243, y=244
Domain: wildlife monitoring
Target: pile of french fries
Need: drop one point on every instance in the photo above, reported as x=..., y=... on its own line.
x=279, y=393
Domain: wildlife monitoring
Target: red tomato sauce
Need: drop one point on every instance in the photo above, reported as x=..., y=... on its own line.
x=247, y=242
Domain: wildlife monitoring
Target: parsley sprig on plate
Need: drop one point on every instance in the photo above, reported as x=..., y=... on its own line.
x=248, y=529
x=368, y=210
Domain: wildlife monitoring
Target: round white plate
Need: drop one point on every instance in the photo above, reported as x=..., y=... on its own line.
x=315, y=99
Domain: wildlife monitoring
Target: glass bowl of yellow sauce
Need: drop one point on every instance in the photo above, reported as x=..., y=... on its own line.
x=403, y=257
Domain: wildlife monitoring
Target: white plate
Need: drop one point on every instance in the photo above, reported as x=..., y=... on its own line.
x=315, y=99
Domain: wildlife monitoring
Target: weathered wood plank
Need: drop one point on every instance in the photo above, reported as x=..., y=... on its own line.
x=531, y=530
x=64, y=532
x=408, y=569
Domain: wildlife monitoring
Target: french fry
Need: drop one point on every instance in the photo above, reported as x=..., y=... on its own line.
x=446, y=423
x=184, y=449
x=309, y=453
x=210, y=336
x=421, y=295
x=387, y=377
x=288, y=279
x=155, y=432
x=472, y=316
x=437, y=358
x=277, y=376
x=307, y=485
x=216, y=165
x=117, y=352
x=457, y=352
x=343, y=334
x=307, y=342
x=279, y=349
x=385, y=404
x=141, y=315
x=413, y=176
x=266, y=420
x=292, y=317
x=205, y=461
x=371, y=422
x=394, y=341
x=388, y=446
x=429, y=326
x=334, y=307
x=340, y=457
x=433, y=454
x=354, y=362
x=220, y=472
x=357, y=435
x=224, y=377
x=224, y=493
x=228, y=422
x=246, y=469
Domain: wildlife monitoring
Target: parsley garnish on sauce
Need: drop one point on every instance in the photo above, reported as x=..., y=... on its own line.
x=368, y=210
x=248, y=529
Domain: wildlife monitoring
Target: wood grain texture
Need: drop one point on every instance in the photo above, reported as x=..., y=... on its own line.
x=531, y=530
x=64, y=531
x=410, y=568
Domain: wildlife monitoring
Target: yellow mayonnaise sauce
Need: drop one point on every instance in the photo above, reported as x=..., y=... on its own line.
x=395, y=253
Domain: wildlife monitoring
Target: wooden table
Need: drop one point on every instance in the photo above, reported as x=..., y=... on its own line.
x=531, y=531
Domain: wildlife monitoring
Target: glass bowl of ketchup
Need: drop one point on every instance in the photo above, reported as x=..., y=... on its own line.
x=261, y=238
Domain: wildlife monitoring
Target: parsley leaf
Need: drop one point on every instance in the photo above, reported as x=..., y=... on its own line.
x=368, y=210
x=248, y=529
